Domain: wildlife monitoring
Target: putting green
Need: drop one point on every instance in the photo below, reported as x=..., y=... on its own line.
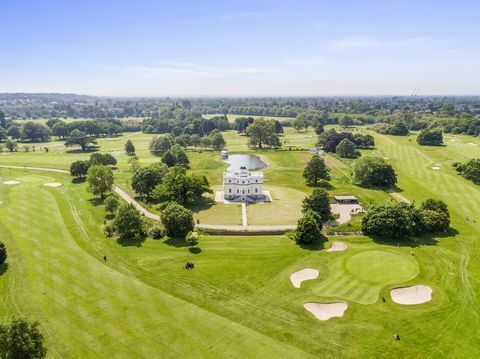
x=382, y=267
x=360, y=276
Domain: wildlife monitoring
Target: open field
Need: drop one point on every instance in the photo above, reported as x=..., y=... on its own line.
x=239, y=300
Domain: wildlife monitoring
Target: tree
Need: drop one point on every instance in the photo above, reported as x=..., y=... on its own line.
x=435, y=221
x=160, y=145
x=3, y=121
x=346, y=149
x=262, y=132
x=373, y=172
x=469, y=170
x=176, y=156
x=11, y=145
x=428, y=137
x=100, y=180
x=436, y=205
x=333, y=139
x=398, y=128
x=195, y=140
x=316, y=170
x=345, y=121
x=3, y=134
x=105, y=159
x=79, y=169
x=14, y=130
x=129, y=148
x=21, y=339
x=218, y=142
x=319, y=129
x=180, y=187
x=35, y=131
x=309, y=228
x=60, y=129
x=192, y=238
x=319, y=203
x=128, y=222
x=3, y=253
x=399, y=220
x=178, y=220
x=299, y=123
x=363, y=141
x=111, y=204
x=146, y=179
x=80, y=138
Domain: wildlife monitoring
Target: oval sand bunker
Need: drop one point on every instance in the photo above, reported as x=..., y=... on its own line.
x=325, y=311
x=303, y=274
x=11, y=182
x=53, y=184
x=337, y=246
x=415, y=294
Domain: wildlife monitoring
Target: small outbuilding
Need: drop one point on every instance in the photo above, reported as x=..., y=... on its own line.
x=346, y=199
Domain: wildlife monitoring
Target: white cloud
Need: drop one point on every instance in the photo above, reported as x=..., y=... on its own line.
x=367, y=42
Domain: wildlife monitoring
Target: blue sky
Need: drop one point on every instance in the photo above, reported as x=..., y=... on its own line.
x=246, y=48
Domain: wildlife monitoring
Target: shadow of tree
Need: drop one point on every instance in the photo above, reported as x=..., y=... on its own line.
x=429, y=239
x=203, y=205
x=131, y=242
x=3, y=268
x=78, y=180
x=96, y=201
x=176, y=242
x=195, y=250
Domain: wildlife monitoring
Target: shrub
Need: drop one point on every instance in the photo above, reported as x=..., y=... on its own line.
x=178, y=220
x=3, y=253
x=373, y=172
x=308, y=228
x=157, y=232
x=111, y=204
x=192, y=238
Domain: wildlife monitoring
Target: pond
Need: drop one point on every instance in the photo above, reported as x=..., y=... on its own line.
x=251, y=162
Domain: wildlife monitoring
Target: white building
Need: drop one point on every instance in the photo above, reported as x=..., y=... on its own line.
x=243, y=185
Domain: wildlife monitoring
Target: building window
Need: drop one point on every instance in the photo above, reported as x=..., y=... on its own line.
x=243, y=181
x=229, y=190
x=237, y=190
x=256, y=190
x=243, y=192
x=229, y=181
x=256, y=180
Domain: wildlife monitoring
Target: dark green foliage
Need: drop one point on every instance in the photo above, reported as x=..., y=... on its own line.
x=192, y=238
x=105, y=159
x=429, y=137
x=308, y=228
x=402, y=220
x=176, y=156
x=111, y=204
x=318, y=202
x=262, y=133
x=60, y=129
x=3, y=253
x=373, y=172
x=470, y=170
x=11, y=145
x=319, y=128
x=347, y=149
x=3, y=121
x=436, y=205
x=34, y=131
x=100, y=179
x=157, y=232
x=178, y=220
x=3, y=134
x=315, y=171
x=80, y=138
x=21, y=340
x=363, y=141
x=14, y=130
x=160, y=145
x=398, y=128
x=128, y=222
x=218, y=142
x=79, y=169
x=146, y=179
x=182, y=187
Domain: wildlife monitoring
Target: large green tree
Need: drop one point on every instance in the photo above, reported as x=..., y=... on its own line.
x=79, y=169
x=129, y=148
x=262, y=133
x=178, y=220
x=430, y=137
x=373, y=172
x=100, y=180
x=315, y=171
x=175, y=156
x=80, y=138
x=21, y=339
x=128, y=222
x=319, y=203
x=346, y=149
x=146, y=179
x=309, y=228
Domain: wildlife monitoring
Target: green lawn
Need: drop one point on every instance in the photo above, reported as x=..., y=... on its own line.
x=238, y=301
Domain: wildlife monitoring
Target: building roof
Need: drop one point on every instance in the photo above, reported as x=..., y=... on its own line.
x=242, y=174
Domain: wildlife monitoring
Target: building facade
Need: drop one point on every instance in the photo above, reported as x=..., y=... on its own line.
x=243, y=186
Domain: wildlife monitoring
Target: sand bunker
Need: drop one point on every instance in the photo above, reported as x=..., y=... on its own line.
x=325, y=311
x=337, y=246
x=472, y=144
x=53, y=184
x=385, y=158
x=436, y=168
x=11, y=182
x=303, y=274
x=415, y=294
